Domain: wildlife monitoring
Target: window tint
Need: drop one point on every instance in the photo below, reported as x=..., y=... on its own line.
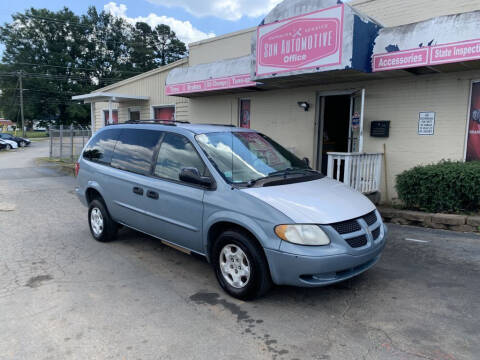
x=176, y=153
x=100, y=149
x=134, y=150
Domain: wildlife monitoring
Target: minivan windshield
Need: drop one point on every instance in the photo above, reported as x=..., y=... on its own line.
x=244, y=157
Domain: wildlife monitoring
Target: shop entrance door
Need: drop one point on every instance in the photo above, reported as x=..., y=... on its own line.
x=355, y=131
x=340, y=124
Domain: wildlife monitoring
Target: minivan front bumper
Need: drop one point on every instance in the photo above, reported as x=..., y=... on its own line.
x=313, y=271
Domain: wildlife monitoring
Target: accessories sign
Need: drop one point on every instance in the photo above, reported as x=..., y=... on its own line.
x=431, y=55
x=302, y=42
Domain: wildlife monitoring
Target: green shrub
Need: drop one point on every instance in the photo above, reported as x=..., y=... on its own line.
x=444, y=187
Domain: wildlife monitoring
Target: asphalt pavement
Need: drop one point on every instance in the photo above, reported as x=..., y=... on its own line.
x=65, y=296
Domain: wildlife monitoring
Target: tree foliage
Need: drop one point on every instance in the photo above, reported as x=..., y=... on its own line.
x=61, y=54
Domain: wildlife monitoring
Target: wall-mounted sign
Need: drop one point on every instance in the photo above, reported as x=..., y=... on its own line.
x=380, y=129
x=430, y=55
x=356, y=120
x=230, y=82
x=302, y=42
x=426, y=123
x=473, y=142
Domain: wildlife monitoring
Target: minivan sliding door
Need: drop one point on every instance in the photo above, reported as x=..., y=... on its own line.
x=132, y=163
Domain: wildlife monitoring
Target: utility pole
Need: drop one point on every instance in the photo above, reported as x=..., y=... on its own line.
x=20, y=73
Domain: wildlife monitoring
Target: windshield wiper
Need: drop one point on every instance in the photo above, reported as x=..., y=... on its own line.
x=285, y=172
x=288, y=171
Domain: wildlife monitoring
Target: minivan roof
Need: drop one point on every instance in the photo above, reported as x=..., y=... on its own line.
x=194, y=128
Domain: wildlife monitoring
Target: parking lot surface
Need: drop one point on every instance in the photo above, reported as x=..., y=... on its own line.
x=65, y=296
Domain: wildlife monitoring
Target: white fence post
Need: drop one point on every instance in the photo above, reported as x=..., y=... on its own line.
x=61, y=141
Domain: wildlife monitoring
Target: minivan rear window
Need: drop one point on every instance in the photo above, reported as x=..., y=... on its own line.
x=100, y=149
x=134, y=150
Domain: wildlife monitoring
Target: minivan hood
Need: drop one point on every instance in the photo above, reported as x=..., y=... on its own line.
x=322, y=201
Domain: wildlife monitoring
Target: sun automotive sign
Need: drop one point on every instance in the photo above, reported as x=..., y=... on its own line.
x=312, y=40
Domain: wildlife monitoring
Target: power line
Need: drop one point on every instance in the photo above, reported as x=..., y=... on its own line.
x=73, y=67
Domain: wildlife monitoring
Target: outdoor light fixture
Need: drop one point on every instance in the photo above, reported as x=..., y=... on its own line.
x=304, y=105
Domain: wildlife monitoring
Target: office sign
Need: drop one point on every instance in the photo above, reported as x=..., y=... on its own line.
x=473, y=140
x=302, y=42
x=428, y=56
x=426, y=123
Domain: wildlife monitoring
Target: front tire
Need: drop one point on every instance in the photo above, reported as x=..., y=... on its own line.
x=9, y=147
x=22, y=144
x=102, y=227
x=240, y=265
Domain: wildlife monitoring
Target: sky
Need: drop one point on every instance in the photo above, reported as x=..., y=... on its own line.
x=192, y=20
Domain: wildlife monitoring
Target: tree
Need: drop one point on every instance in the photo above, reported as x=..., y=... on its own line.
x=168, y=48
x=60, y=54
x=142, y=50
x=44, y=47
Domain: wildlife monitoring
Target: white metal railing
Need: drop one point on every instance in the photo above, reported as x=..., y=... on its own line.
x=360, y=171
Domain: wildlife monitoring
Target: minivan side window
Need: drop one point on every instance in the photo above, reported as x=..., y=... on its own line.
x=135, y=149
x=100, y=149
x=177, y=152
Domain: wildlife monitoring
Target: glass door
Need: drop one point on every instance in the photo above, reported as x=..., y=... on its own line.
x=355, y=133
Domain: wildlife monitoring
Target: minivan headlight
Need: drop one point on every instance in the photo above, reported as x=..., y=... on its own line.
x=311, y=235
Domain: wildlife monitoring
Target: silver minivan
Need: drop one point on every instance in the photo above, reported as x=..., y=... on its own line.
x=259, y=214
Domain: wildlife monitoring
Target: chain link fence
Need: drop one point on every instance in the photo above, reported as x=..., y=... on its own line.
x=67, y=143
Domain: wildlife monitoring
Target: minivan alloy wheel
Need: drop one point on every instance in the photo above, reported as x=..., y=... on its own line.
x=96, y=220
x=234, y=266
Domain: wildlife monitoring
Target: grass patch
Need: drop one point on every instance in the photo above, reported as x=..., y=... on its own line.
x=29, y=134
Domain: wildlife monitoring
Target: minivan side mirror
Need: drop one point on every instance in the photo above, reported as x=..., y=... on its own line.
x=192, y=175
x=306, y=161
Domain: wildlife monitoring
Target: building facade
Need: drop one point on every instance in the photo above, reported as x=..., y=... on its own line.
x=364, y=90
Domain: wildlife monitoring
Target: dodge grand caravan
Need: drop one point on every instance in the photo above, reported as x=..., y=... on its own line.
x=259, y=214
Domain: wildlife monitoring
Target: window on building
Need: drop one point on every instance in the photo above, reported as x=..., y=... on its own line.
x=176, y=153
x=165, y=113
x=244, y=113
x=106, y=117
x=134, y=150
x=100, y=149
x=134, y=115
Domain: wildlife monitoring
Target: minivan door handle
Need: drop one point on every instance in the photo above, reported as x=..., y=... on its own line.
x=138, y=190
x=152, y=194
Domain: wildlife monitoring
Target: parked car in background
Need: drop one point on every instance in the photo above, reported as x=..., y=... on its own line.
x=3, y=145
x=21, y=142
x=9, y=144
x=258, y=213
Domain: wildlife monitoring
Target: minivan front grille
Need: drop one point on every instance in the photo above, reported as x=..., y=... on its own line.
x=370, y=218
x=357, y=242
x=376, y=233
x=346, y=227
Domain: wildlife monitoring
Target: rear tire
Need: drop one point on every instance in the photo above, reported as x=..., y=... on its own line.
x=102, y=227
x=240, y=265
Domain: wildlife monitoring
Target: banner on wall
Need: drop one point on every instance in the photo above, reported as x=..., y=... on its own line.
x=473, y=142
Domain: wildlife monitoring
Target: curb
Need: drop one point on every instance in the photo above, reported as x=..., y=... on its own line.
x=459, y=223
